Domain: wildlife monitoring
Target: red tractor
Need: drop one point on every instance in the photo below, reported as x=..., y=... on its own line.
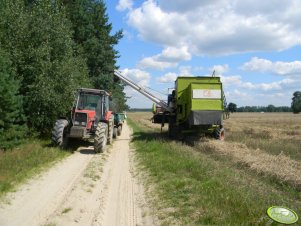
x=90, y=119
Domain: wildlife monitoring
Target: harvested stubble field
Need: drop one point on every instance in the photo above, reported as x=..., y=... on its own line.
x=230, y=182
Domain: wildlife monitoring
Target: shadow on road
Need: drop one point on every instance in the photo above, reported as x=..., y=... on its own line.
x=149, y=136
x=86, y=150
x=189, y=140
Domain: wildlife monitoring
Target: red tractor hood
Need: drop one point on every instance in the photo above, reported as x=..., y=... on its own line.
x=91, y=117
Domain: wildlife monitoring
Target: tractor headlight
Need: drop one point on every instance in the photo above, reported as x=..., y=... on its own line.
x=76, y=123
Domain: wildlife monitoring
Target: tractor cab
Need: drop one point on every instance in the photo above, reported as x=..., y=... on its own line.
x=90, y=107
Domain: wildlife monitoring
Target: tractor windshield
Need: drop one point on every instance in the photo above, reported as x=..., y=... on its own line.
x=88, y=101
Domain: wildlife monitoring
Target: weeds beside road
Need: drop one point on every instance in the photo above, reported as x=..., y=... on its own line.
x=25, y=161
x=200, y=185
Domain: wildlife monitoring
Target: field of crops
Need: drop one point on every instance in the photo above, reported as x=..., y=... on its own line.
x=231, y=182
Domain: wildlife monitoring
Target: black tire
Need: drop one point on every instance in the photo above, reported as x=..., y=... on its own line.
x=110, y=133
x=219, y=134
x=59, y=133
x=119, y=129
x=100, y=139
x=115, y=132
x=173, y=129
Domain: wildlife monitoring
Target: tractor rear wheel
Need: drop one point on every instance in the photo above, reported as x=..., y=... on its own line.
x=100, y=139
x=59, y=133
x=219, y=134
x=110, y=133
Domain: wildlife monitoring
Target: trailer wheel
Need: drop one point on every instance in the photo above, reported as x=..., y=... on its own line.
x=100, y=139
x=110, y=133
x=219, y=134
x=119, y=129
x=114, y=132
x=59, y=133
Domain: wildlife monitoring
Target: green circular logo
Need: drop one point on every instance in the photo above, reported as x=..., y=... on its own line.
x=282, y=215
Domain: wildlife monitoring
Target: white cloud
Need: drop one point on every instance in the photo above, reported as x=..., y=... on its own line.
x=279, y=85
x=167, y=78
x=236, y=82
x=173, y=54
x=169, y=57
x=219, y=69
x=280, y=68
x=141, y=77
x=231, y=80
x=184, y=6
x=136, y=99
x=238, y=93
x=154, y=63
x=237, y=96
x=124, y=5
x=219, y=27
x=185, y=71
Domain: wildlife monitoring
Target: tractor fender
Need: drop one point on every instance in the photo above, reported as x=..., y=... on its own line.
x=108, y=115
x=66, y=118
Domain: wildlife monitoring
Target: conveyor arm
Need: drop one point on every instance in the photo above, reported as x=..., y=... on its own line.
x=141, y=90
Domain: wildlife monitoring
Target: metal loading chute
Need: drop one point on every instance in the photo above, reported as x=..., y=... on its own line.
x=141, y=90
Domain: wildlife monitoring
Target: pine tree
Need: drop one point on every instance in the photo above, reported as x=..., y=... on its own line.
x=12, y=128
x=92, y=33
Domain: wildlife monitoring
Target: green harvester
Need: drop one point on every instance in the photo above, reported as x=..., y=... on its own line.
x=194, y=108
x=197, y=105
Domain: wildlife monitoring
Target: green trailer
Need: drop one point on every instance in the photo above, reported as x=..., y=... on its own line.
x=119, y=119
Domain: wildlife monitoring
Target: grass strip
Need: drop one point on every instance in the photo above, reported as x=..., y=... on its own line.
x=25, y=161
x=199, y=190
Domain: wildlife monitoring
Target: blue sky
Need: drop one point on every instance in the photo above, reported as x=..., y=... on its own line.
x=254, y=46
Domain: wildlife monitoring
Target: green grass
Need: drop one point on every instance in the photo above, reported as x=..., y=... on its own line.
x=25, y=161
x=199, y=189
x=66, y=210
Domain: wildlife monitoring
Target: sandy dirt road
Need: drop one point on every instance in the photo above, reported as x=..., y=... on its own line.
x=84, y=189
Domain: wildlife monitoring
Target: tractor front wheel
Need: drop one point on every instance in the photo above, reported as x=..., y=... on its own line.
x=100, y=139
x=59, y=133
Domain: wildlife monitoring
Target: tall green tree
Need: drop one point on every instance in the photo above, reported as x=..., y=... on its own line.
x=93, y=34
x=232, y=107
x=271, y=108
x=12, y=120
x=39, y=37
x=296, y=102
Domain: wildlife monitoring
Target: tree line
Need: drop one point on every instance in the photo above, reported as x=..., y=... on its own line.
x=48, y=49
x=232, y=107
x=269, y=108
x=295, y=106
